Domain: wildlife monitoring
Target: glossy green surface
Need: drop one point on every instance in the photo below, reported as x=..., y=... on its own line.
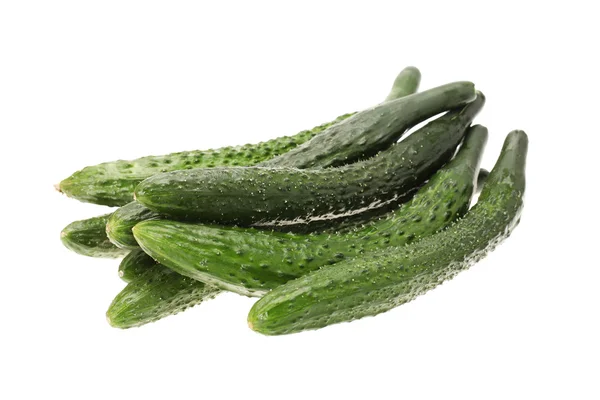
x=251, y=262
x=88, y=238
x=244, y=196
x=370, y=285
x=154, y=294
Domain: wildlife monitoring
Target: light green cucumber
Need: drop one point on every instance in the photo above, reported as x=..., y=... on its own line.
x=155, y=293
x=369, y=285
x=251, y=262
x=88, y=238
x=113, y=183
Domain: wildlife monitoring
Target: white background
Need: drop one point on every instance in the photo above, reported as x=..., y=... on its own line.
x=83, y=82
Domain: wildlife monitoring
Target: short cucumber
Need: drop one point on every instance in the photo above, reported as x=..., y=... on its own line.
x=157, y=293
x=88, y=237
x=113, y=183
x=251, y=262
x=120, y=223
x=135, y=264
x=370, y=285
x=244, y=196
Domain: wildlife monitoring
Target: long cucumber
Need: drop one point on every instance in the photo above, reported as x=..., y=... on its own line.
x=370, y=285
x=113, y=183
x=244, y=196
x=251, y=262
x=126, y=217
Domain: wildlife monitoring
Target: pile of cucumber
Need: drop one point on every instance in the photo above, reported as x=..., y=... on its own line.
x=330, y=225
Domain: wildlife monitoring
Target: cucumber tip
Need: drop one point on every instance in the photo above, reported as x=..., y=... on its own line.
x=57, y=187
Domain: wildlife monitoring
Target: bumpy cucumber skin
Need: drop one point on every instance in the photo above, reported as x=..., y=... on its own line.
x=135, y=264
x=120, y=224
x=251, y=262
x=118, y=227
x=88, y=238
x=244, y=196
x=113, y=183
x=157, y=293
x=366, y=133
x=370, y=285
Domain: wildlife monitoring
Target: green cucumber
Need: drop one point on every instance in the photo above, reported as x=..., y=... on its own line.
x=88, y=237
x=370, y=285
x=135, y=264
x=120, y=223
x=156, y=293
x=366, y=133
x=250, y=195
x=251, y=262
x=113, y=183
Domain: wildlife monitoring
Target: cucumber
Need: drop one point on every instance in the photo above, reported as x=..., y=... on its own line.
x=366, y=133
x=88, y=238
x=370, y=285
x=250, y=195
x=135, y=264
x=120, y=223
x=113, y=183
x=251, y=262
x=156, y=293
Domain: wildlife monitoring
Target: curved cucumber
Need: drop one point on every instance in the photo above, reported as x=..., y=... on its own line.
x=135, y=264
x=120, y=223
x=88, y=238
x=156, y=293
x=249, y=195
x=113, y=183
x=366, y=133
x=251, y=262
x=370, y=285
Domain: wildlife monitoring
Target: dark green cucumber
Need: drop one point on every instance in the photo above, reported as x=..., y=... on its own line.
x=251, y=262
x=245, y=196
x=157, y=293
x=366, y=133
x=118, y=227
x=135, y=264
x=370, y=285
x=113, y=183
x=120, y=224
x=88, y=237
